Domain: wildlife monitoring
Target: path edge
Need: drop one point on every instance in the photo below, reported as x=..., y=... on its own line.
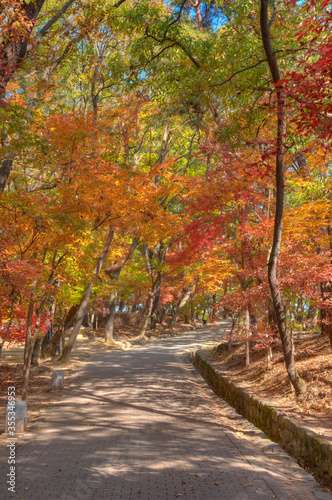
x=301, y=443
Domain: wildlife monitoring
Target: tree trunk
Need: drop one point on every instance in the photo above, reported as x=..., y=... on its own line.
x=247, y=334
x=114, y=273
x=311, y=320
x=121, y=304
x=39, y=342
x=5, y=169
x=109, y=327
x=325, y=311
x=148, y=318
x=300, y=310
x=36, y=350
x=30, y=346
x=214, y=301
x=181, y=304
x=269, y=356
x=192, y=306
x=63, y=339
x=59, y=333
x=193, y=314
x=162, y=314
x=78, y=323
x=297, y=382
x=84, y=304
x=51, y=348
x=148, y=258
x=9, y=324
x=154, y=312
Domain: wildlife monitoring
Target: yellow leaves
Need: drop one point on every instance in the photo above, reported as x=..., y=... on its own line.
x=308, y=220
x=214, y=269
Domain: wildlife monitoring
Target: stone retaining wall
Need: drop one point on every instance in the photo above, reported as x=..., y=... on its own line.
x=298, y=441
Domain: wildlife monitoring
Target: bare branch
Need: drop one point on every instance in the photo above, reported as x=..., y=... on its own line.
x=52, y=21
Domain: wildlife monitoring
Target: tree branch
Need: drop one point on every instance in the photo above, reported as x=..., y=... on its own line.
x=111, y=269
x=117, y=4
x=254, y=66
x=175, y=42
x=52, y=21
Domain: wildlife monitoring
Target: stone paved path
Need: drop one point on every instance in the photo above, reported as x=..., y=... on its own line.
x=139, y=424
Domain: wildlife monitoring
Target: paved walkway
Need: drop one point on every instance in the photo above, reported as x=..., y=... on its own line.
x=140, y=424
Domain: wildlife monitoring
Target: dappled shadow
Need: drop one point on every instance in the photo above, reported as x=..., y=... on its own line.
x=136, y=427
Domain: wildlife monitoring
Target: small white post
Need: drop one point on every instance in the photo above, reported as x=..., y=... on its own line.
x=16, y=418
x=58, y=380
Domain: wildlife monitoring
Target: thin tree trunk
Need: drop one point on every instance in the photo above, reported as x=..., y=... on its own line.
x=29, y=322
x=114, y=273
x=247, y=334
x=121, y=304
x=63, y=339
x=325, y=311
x=300, y=310
x=154, y=312
x=297, y=382
x=269, y=356
x=9, y=324
x=192, y=313
x=87, y=294
x=29, y=351
x=162, y=314
x=39, y=342
x=148, y=258
x=93, y=314
x=193, y=308
x=214, y=301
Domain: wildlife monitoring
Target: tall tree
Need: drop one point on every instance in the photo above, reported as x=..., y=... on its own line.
x=296, y=380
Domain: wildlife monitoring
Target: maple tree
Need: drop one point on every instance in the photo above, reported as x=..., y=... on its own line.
x=152, y=136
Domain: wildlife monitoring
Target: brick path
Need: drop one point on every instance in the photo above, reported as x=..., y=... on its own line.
x=139, y=424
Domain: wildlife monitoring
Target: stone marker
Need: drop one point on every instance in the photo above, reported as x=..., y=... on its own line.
x=21, y=415
x=58, y=380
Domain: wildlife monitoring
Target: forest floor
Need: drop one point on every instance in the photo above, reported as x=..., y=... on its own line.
x=313, y=357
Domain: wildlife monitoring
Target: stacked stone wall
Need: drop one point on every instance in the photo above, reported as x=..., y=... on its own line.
x=300, y=442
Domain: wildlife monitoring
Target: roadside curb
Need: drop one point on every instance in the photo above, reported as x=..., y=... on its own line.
x=297, y=440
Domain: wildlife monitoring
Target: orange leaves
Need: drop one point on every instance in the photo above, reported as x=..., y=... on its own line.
x=14, y=23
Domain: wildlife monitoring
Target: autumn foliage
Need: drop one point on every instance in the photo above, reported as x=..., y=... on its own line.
x=148, y=123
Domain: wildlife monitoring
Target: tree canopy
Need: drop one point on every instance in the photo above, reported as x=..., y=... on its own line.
x=159, y=155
